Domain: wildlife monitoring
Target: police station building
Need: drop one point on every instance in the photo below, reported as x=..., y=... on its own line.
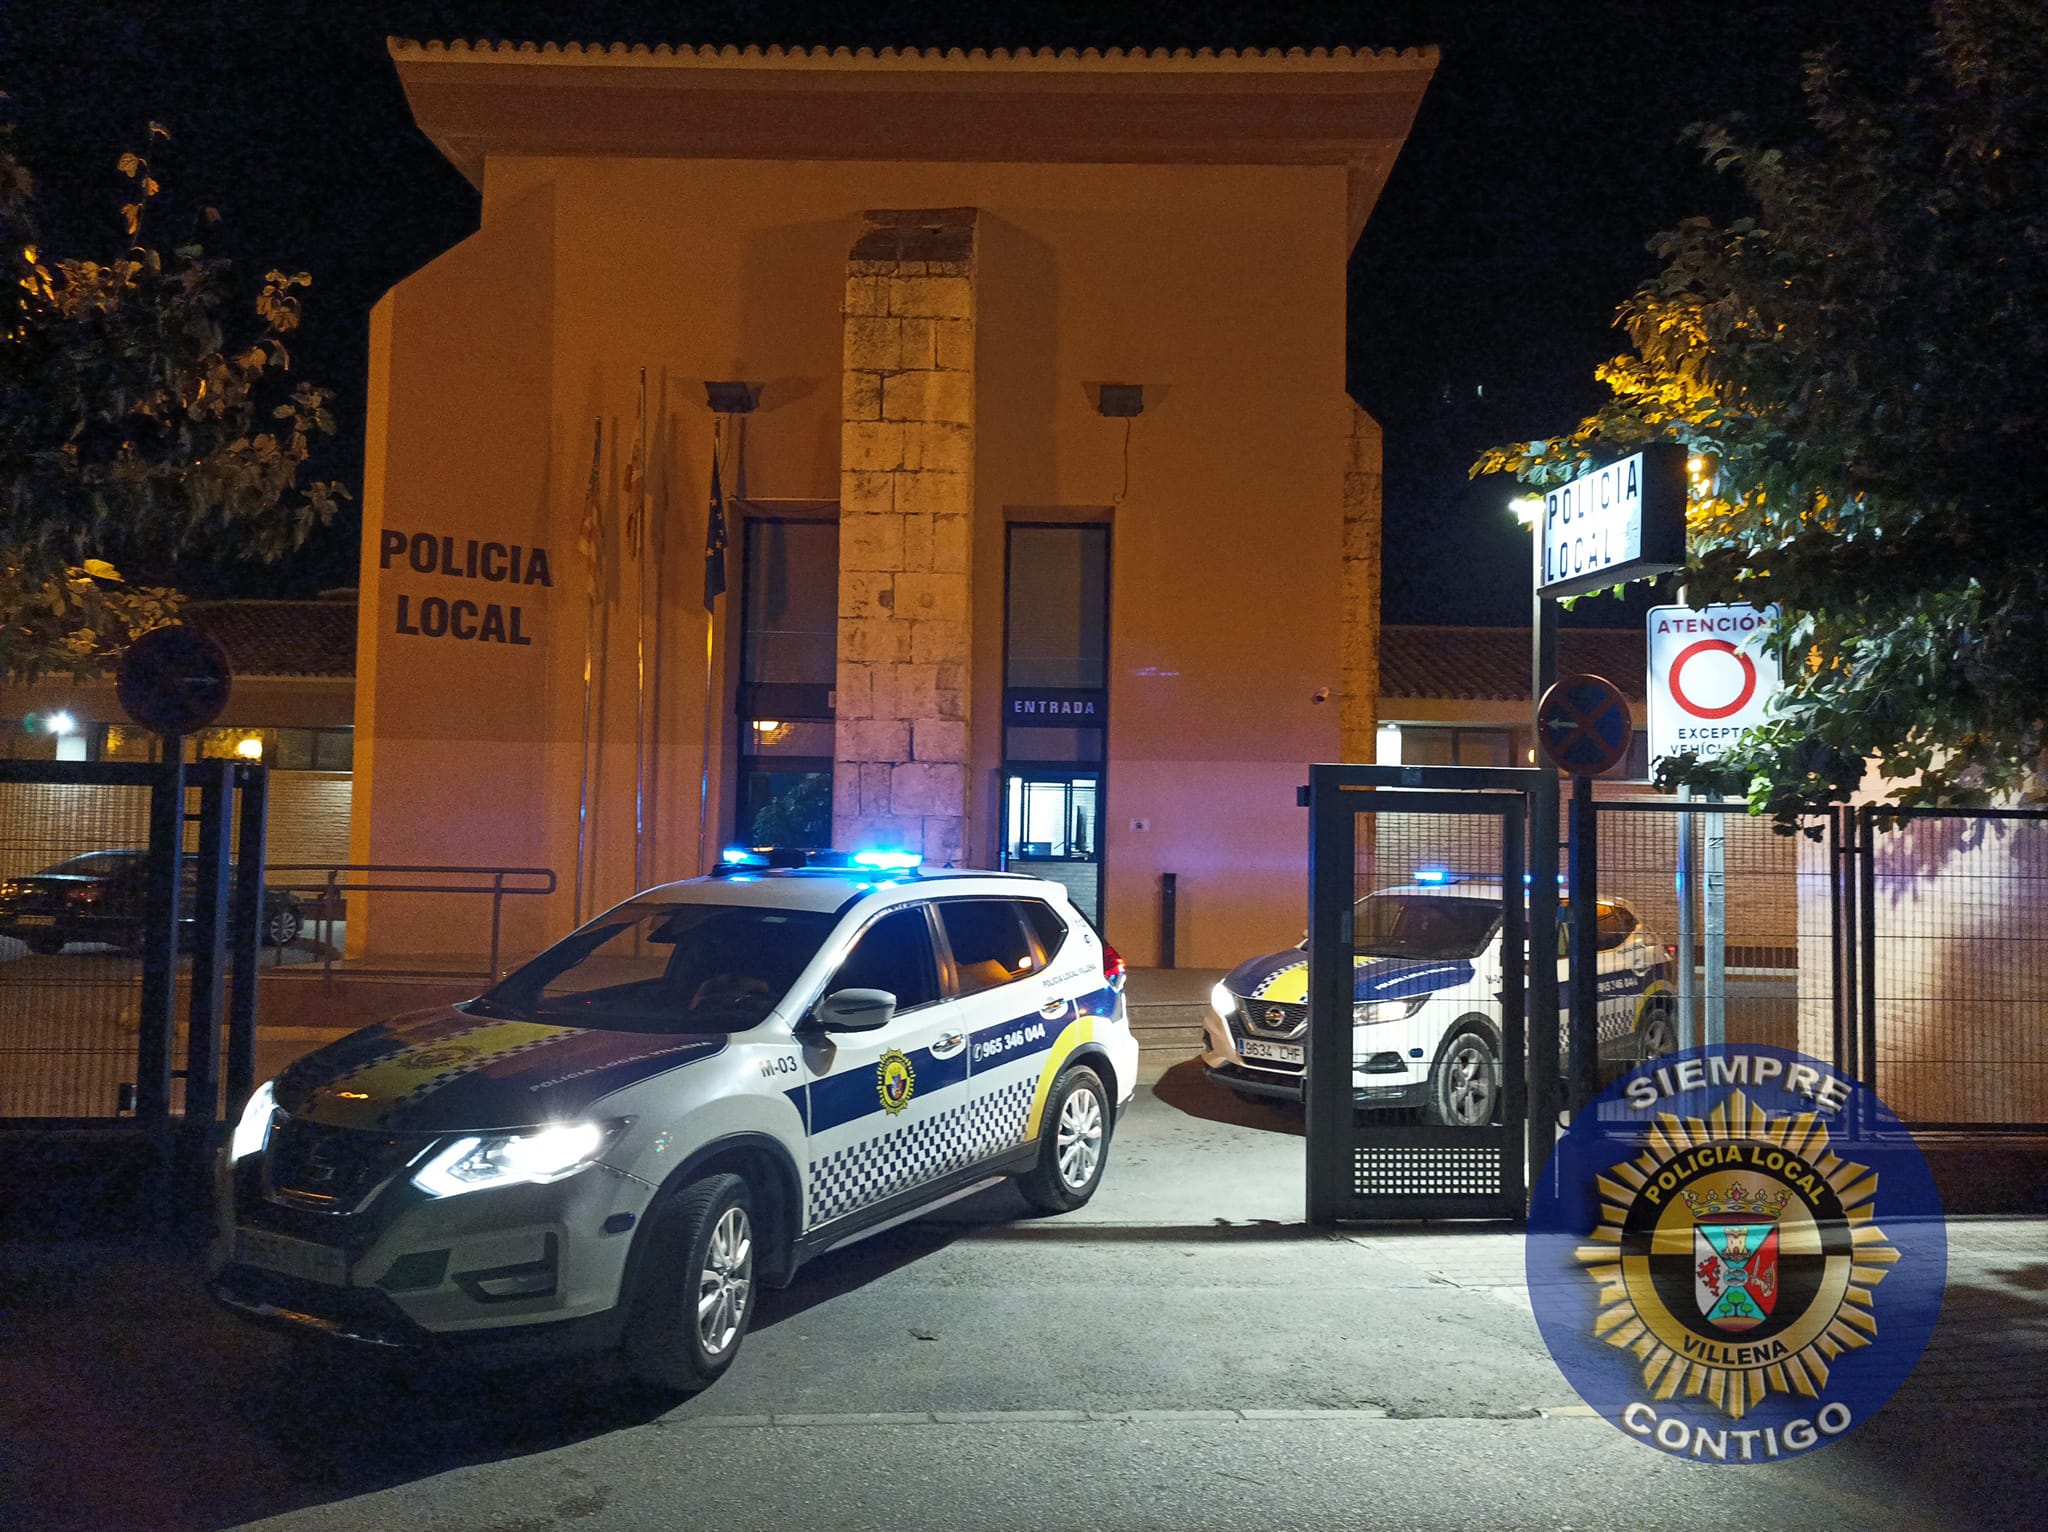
x=938, y=451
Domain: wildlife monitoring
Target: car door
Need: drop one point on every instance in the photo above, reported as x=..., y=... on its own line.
x=992, y=961
x=886, y=1105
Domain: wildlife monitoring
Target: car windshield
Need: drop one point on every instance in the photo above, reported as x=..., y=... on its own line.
x=1423, y=926
x=664, y=967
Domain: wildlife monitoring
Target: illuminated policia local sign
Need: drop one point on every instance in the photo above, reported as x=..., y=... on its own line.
x=461, y=617
x=1625, y=521
x=1736, y=1254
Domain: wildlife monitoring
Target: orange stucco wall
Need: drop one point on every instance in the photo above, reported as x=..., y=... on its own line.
x=1220, y=289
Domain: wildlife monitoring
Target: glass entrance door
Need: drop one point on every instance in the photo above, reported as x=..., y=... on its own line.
x=1050, y=830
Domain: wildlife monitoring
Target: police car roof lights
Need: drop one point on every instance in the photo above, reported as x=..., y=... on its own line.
x=1435, y=876
x=741, y=859
x=888, y=861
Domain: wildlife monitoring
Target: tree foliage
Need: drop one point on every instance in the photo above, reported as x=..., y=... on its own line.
x=143, y=422
x=1861, y=367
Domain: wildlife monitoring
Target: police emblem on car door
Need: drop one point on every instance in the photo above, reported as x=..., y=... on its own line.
x=884, y=1105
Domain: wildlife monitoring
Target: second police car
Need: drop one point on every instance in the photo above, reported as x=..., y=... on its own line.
x=1426, y=1013
x=690, y=1095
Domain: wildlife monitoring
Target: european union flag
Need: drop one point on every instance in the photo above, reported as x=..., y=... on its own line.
x=714, y=544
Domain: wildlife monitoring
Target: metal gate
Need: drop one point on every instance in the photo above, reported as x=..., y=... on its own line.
x=1423, y=885
x=130, y=902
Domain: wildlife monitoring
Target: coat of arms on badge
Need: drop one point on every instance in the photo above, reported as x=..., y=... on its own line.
x=1736, y=1278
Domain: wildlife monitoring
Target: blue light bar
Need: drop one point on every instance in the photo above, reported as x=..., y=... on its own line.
x=744, y=856
x=1434, y=875
x=888, y=861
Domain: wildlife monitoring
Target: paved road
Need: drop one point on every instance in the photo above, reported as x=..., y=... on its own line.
x=1183, y=1353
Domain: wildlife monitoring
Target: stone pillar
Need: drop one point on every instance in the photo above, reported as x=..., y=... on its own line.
x=906, y=492
x=1361, y=636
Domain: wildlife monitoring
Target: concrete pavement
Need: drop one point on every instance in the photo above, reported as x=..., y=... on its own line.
x=1181, y=1353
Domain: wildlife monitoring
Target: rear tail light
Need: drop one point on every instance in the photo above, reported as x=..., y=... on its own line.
x=1112, y=964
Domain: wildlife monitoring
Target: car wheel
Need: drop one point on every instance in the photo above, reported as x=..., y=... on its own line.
x=1658, y=1034
x=696, y=1288
x=48, y=946
x=1073, y=1143
x=1464, y=1088
x=282, y=928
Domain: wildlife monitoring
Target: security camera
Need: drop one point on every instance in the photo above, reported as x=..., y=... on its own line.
x=1322, y=694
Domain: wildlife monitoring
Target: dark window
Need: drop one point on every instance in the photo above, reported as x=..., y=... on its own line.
x=895, y=954
x=1058, y=629
x=1047, y=929
x=789, y=654
x=989, y=942
x=1424, y=926
x=791, y=603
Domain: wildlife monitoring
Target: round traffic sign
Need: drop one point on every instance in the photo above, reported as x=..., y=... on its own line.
x=173, y=680
x=1713, y=646
x=1583, y=725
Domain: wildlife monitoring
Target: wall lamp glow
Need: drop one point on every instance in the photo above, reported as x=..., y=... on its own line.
x=1526, y=508
x=61, y=723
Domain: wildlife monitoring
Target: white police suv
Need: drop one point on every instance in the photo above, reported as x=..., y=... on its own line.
x=690, y=1095
x=1426, y=1015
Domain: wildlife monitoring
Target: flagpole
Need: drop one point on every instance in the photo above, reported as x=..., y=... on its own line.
x=714, y=547
x=655, y=538
x=587, y=540
x=637, y=539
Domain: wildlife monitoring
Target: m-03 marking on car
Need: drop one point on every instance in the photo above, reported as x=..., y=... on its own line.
x=1427, y=1032
x=689, y=1095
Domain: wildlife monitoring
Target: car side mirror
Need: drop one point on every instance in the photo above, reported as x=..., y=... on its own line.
x=856, y=1010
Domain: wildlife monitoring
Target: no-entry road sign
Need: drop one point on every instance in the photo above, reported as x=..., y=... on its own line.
x=1710, y=679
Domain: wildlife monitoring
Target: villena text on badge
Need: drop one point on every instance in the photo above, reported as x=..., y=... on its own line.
x=1736, y=1255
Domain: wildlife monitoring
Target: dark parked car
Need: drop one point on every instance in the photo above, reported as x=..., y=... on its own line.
x=99, y=897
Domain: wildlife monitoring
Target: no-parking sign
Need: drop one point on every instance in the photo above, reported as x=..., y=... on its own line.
x=1710, y=677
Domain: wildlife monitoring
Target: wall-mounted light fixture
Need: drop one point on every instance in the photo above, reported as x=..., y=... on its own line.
x=1121, y=400
x=732, y=398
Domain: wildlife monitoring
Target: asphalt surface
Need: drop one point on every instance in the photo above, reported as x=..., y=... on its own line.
x=1182, y=1353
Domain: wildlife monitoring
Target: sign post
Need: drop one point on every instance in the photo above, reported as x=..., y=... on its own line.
x=1711, y=679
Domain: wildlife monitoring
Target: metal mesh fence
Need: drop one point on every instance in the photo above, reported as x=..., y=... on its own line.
x=70, y=985
x=1770, y=980
x=1955, y=966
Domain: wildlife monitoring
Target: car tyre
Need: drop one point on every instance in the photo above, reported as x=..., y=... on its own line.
x=47, y=946
x=283, y=927
x=696, y=1290
x=1465, y=1086
x=1073, y=1143
x=1658, y=1034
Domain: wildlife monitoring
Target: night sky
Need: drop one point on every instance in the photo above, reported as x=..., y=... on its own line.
x=1547, y=152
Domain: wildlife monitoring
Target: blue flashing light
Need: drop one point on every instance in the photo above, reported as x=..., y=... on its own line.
x=1434, y=876
x=744, y=856
x=888, y=861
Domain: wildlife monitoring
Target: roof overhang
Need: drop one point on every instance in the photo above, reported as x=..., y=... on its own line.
x=1338, y=107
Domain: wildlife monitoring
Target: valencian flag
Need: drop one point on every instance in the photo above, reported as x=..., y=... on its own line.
x=714, y=543
x=590, y=536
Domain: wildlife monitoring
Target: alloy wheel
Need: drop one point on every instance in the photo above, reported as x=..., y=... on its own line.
x=725, y=1286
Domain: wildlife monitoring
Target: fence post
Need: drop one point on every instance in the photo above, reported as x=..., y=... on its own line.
x=1169, y=916
x=251, y=848
x=497, y=907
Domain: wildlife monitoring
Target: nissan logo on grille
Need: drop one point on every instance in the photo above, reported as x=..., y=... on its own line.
x=1276, y=1016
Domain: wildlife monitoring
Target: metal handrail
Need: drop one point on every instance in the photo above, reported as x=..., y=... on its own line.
x=334, y=883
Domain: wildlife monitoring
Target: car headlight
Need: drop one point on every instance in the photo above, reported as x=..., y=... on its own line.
x=1385, y=1010
x=1222, y=1001
x=512, y=1159
x=253, y=1131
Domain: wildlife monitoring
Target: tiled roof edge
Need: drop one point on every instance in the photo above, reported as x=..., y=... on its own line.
x=774, y=56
